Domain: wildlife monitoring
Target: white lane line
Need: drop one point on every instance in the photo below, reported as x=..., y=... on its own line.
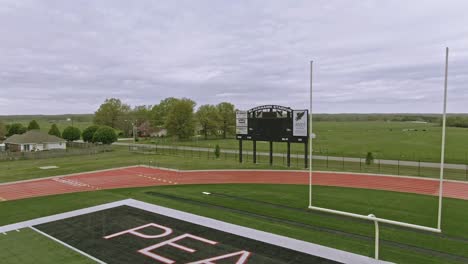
x=68, y=246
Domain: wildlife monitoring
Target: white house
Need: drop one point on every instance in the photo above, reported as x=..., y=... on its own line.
x=34, y=140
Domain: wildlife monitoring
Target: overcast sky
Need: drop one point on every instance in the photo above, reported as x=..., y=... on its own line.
x=369, y=56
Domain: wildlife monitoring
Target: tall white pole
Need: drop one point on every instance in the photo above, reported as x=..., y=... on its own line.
x=442, y=151
x=310, y=137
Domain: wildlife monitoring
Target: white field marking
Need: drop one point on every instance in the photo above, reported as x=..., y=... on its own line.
x=281, y=241
x=71, y=174
x=2, y=199
x=68, y=246
x=74, y=183
x=48, y=167
x=47, y=219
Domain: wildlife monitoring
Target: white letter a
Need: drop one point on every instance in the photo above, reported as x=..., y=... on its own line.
x=243, y=256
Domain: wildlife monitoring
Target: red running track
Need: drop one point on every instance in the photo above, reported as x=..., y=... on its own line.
x=144, y=176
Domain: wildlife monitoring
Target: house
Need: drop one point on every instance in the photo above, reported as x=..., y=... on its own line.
x=146, y=130
x=34, y=140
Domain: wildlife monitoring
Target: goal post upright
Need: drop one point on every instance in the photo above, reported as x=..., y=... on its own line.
x=442, y=149
x=310, y=136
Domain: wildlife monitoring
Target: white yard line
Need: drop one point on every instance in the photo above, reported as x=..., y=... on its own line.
x=71, y=174
x=286, y=242
x=68, y=246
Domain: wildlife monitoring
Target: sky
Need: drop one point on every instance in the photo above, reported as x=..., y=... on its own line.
x=60, y=57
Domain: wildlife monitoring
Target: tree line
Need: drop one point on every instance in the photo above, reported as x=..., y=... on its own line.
x=177, y=115
x=93, y=134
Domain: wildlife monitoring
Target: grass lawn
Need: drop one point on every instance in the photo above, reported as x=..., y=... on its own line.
x=281, y=209
x=28, y=246
x=387, y=140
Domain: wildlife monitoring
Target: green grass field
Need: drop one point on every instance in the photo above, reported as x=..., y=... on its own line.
x=278, y=209
x=387, y=140
x=79, y=121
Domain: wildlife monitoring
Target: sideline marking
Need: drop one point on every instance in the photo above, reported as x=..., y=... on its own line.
x=68, y=246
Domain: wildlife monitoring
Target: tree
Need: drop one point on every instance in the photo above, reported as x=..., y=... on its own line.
x=33, y=125
x=16, y=128
x=227, y=115
x=54, y=131
x=105, y=135
x=369, y=158
x=89, y=132
x=112, y=113
x=71, y=133
x=141, y=114
x=3, y=130
x=180, y=120
x=160, y=111
x=208, y=117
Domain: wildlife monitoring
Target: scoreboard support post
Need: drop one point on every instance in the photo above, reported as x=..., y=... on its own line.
x=289, y=154
x=306, y=152
x=271, y=153
x=240, y=151
x=254, y=151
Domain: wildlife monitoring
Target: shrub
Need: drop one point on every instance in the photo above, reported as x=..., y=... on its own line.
x=89, y=132
x=54, y=131
x=71, y=133
x=33, y=125
x=217, y=151
x=369, y=158
x=105, y=135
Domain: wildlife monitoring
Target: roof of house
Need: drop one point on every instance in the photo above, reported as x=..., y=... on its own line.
x=33, y=136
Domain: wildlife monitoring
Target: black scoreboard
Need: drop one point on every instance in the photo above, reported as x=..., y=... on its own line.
x=273, y=123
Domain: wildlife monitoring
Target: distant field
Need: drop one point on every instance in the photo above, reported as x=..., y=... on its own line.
x=45, y=121
x=387, y=140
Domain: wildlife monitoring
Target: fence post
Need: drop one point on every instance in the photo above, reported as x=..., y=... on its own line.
x=327, y=158
x=379, y=166
x=342, y=164
x=398, y=168
x=360, y=164
x=419, y=168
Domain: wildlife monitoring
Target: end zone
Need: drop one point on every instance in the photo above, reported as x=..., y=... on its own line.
x=173, y=234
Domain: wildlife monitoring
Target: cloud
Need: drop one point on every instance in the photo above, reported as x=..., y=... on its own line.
x=62, y=56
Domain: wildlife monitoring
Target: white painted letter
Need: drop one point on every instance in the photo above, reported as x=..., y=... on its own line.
x=244, y=255
x=133, y=231
x=171, y=242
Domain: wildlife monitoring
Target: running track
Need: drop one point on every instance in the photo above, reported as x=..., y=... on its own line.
x=143, y=176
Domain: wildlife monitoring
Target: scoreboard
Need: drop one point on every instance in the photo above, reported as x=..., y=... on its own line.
x=273, y=123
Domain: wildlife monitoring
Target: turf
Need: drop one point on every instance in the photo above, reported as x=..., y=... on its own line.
x=27, y=246
x=281, y=209
x=86, y=233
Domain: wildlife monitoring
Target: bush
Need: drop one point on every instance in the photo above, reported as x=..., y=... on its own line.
x=33, y=125
x=217, y=151
x=16, y=128
x=54, y=131
x=89, y=132
x=105, y=135
x=71, y=133
x=369, y=158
